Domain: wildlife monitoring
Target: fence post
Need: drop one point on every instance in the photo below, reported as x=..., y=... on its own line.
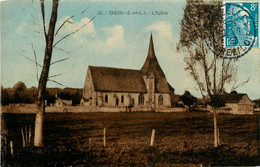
x=104, y=139
x=26, y=133
x=152, y=137
x=218, y=138
x=23, y=137
x=30, y=133
x=11, y=148
x=89, y=142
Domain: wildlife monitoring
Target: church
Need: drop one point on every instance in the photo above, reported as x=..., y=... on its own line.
x=147, y=88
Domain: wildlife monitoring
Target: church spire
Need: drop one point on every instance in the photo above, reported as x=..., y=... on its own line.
x=151, y=53
x=151, y=66
x=151, y=59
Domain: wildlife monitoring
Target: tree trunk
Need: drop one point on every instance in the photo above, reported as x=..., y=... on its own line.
x=38, y=133
x=38, y=138
x=215, y=129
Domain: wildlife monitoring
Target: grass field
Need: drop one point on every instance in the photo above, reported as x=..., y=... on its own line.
x=181, y=139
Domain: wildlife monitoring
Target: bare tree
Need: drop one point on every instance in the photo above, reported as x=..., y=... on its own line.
x=49, y=38
x=202, y=42
x=49, y=35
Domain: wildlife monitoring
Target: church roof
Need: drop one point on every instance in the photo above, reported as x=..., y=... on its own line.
x=117, y=79
x=151, y=65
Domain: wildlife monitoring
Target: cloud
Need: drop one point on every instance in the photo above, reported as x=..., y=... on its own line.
x=71, y=26
x=83, y=27
x=108, y=38
x=164, y=30
x=115, y=38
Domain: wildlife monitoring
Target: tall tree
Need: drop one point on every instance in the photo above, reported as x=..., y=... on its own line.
x=201, y=39
x=49, y=38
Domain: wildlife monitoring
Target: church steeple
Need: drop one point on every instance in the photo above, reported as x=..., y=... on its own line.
x=151, y=60
x=151, y=53
x=151, y=66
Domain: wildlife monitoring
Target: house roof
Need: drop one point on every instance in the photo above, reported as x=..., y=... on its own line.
x=233, y=98
x=200, y=101
x=117, y=79
x=151, y=65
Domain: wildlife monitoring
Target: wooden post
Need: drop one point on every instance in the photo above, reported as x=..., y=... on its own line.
x=89, y=142
x=30, y=133
x=23, y=137
x=11, y=148
x=26, y=134
x=104, y=139
x=152, y=137
x=218, y=138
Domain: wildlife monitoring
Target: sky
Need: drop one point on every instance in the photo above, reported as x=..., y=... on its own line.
x=109, y=40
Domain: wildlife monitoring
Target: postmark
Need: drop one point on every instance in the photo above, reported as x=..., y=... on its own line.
x=241, y=29
x=241, y=24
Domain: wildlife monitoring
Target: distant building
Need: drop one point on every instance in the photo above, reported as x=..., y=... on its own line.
x=200, y=102
x=118, y=87
x=63, y=99
x=238, y=103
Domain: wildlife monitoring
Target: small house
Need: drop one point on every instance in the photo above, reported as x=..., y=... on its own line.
x=237, y=103
x=63, y=99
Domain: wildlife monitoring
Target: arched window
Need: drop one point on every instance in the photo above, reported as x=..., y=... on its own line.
x=160, y=100
x=141, y=99
x=122, y=99
x=117, y=101
x=106, y=98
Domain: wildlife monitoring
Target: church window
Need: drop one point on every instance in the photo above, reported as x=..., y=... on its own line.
x=106, y=98
x=141, y=99
x=117, y=101
x=122, y=99
x=133, y=101
x=160, y=100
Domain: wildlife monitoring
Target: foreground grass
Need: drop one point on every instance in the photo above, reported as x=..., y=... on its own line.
x=180, y=139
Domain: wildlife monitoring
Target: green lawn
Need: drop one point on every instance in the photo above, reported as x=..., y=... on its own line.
x=180, y=139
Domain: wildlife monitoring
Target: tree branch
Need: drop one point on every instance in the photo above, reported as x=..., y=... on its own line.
x=33, y=61
x=55, y=82
x=56, y=75
x=43, y=19
x=62, y=50
x=38, y=32
x=234, y=87
x=59, y=61
x=36, y=66
x=67, y=20
x=63, y=24
x=74, y=31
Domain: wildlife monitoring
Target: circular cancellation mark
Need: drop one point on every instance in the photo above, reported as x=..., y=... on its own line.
x=240, y=32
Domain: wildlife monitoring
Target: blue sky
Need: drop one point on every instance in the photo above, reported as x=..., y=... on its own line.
x=110, y=40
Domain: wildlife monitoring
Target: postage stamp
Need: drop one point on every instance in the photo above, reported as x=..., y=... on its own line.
x=241, y=24
x=129, y=83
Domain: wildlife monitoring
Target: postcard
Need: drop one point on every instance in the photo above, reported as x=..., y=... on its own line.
x=130, y=83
